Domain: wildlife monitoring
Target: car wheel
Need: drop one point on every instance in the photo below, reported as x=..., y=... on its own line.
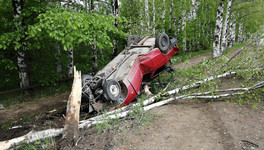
x=162, y=42
x=112, y=90
x=132, y=39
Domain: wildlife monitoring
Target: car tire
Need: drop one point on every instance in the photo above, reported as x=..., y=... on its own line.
x=112, y=90
x=132, y=39
x=162, y=42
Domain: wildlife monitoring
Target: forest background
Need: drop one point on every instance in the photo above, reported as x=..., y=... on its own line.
x=41, y=40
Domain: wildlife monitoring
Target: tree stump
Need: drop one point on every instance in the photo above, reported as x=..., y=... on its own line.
x=71, y=130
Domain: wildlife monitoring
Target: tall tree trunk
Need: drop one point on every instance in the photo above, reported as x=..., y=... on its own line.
x=232, y=32
x=163, y=15
x=21, y=54
x=94, y=59
x=94, y=51
x=58, y=61
x=233, y=37
x=141, y=18
x=194, y=8
x=240, y=32
x=218, y=30
x=70, y=64
x=171, y=17
x=147, y=15
x=154, y=18
x=91, y=8
x=183, y=29
x=224, y=35
x=115, y=10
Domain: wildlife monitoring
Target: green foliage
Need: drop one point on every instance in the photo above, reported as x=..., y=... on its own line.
x=35, y=95
x=47, y=143
x=71, y=28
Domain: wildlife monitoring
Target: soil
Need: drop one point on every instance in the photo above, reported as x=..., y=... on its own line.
x=184, y=124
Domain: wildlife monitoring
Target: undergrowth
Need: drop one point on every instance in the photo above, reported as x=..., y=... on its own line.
x=44, y=144
x=36, y=94
x=246, y=65
x=138, y=117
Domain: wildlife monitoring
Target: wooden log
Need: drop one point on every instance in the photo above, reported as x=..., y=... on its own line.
x=30, y=137
x=71, y=130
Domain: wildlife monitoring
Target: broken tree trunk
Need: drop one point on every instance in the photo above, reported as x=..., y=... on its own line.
x=71, y=129
x=30, y=137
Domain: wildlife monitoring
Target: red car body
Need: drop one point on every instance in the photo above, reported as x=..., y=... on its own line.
x=121, y=79
x=146, y=64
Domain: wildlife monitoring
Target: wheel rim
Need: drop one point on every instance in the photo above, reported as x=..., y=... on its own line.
x=114, y=90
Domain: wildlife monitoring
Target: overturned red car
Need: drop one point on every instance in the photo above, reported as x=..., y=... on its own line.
x=120, y=81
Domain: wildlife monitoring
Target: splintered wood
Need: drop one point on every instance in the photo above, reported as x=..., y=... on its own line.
x=71, y=129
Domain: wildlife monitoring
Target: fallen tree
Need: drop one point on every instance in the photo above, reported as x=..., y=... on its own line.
x=124, y=111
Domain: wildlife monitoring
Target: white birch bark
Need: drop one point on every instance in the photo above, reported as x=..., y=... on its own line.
x=163, y=16
x=194, y=8
x=174, y=22
x=147, y=15
x=171, y=18
x=240, y=32
x=154, y=18
x=224, y=35
x=183, y=29
x=21, y=62
x=232, y=32
x=141, y=18
x=115, y=9
x=58, y=61
x=70, y=64
x=218, y=30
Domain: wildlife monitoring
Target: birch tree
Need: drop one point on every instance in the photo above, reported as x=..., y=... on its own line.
x=224, y=35
x=218, y=29
x=183, y=29
x=240, y=33
x=154, y=17
x=21, y=54
x=58, y=61
x=147, y=15
x=232, y=32
x=163, y=15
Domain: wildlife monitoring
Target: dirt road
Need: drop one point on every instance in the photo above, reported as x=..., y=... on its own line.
x=198, y=126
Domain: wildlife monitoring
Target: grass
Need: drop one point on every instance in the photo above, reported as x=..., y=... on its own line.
x=244, y=65
x=183, y=56
x=36, y=94
x=47, y=143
